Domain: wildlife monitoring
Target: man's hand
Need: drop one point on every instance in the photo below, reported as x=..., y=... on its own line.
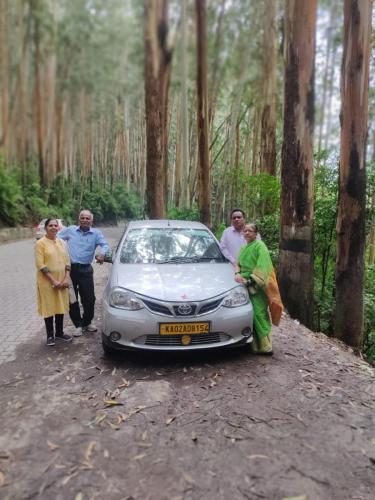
x=99, y=258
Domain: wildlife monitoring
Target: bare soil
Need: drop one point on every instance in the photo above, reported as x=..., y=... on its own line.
x=224, y=425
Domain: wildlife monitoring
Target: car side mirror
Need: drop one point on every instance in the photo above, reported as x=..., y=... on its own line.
x=108, y=257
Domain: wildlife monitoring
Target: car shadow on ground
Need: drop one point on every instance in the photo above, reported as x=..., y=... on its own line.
x=141, y=359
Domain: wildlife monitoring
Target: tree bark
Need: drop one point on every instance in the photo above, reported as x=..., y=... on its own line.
x=348, y=325
x=204, y=194
x=182, y=199
x=154, y=117
x=296, y=257
x=268, y=111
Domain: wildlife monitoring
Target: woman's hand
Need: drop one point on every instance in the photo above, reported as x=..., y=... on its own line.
x=239, y=279
x=64, y=283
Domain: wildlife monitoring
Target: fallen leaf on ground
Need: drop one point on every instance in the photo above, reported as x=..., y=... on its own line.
x=52, y=446
x=112, y=402
x=300, y=497
x=90, y=448
x=100, y=418
x=68, y=478
x=2, y=479
x=169, y=420
x=139, y=457
x=251, y=457
x=125, y=383
x=78, y=496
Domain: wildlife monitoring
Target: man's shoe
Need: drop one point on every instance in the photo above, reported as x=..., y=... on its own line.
x=89, y=328
x=63, y=336
x=50, y=341
x=78, y=332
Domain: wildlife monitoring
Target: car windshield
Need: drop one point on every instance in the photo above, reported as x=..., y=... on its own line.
x=169, y=246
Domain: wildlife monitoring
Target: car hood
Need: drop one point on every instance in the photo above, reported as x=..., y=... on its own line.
x=176, y=282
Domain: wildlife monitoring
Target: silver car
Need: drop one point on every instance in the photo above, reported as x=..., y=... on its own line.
x=171, y=289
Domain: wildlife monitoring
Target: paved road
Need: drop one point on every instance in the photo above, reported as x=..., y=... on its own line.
x=19, y=320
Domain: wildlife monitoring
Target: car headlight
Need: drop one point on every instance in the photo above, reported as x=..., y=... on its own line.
x=236, y=297
x=123, y=299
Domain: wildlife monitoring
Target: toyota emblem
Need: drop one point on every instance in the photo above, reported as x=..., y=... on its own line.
x=184, y=309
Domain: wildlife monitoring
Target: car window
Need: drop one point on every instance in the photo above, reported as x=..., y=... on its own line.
x=151, y=245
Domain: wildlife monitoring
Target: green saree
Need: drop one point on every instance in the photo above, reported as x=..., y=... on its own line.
x=255, y=262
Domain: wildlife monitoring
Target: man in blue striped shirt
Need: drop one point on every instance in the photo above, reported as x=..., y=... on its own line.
x=82, y=241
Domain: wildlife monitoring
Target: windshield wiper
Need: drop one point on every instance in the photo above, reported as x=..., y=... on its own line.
x=216, y=259
x=177, y=260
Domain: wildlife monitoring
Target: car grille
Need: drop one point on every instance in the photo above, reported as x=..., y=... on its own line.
x=173, y=310
x=210, y=306
x=175, y=340
x=158, y=308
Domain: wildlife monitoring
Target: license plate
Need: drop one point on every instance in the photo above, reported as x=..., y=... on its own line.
x=184, y=328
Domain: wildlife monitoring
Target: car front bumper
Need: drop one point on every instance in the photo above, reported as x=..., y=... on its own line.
x=139, y=330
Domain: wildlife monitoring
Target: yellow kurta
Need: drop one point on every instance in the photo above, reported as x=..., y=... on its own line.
x=53, y=255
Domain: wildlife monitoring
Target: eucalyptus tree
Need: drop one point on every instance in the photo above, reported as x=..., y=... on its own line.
x=296, y=253
x=352, y=177
x=204, y=192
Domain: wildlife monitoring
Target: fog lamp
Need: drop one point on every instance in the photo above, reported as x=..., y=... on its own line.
x=115, y=336
x=246, y=332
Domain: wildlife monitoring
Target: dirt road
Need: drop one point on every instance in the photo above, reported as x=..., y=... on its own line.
x=75, y=425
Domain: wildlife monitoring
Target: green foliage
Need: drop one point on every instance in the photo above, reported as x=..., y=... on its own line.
x=262, y=193
x=11, y=207
x=62, y=199
x=219, y=231
x=369, y=313
x=326, y=194
x=269, y=229
x=325, y=213
x=175, y=213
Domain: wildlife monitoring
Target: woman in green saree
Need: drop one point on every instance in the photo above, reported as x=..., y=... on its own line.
x=254, y=268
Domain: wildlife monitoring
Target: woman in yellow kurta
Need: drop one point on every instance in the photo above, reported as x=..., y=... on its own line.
x=53, y=273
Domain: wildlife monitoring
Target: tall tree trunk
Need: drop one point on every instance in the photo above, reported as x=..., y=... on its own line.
x=268, y=110
x=165, y=59
x=39, y=108
x=204, y=195
x=296, y=257
x=352, y=182
x=183, y=190
x=154, y=120
x=215, y=80
x=322, y=114
x=4, y=77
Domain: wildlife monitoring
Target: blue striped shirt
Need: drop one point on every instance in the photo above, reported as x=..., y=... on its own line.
x=82, y=244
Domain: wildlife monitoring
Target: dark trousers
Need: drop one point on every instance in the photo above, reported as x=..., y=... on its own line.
x=59, y=323
x=82, y=276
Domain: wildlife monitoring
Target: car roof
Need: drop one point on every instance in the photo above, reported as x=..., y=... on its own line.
x=166, y=223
